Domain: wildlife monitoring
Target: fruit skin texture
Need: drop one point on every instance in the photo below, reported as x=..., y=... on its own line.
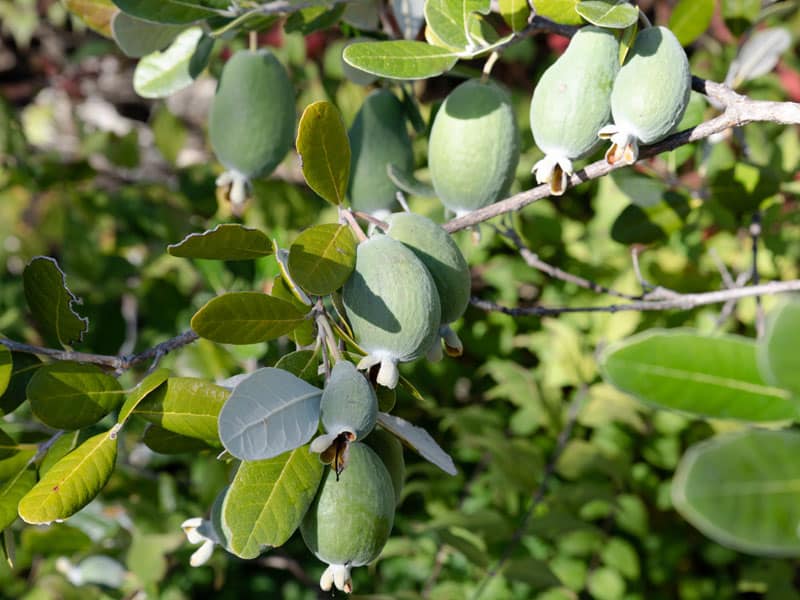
x=392, y=305
x=350, y=519
x=650, y=94
x=252, y=120
x=378, y=137
x=572, y=102
x=390, y=450
x=473, y=148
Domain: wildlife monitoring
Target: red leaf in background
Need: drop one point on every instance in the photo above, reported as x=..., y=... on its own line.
x=790, y=79
x=557, y=43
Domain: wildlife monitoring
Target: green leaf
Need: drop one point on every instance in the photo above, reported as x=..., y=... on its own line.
x=161, y=74
x=616, y=14
x=303, y=364
x=707, y=376
x=24, y=366
x=742, y=188
x=400, y=59
x=267, y=499
x=228, y=241
x=306, y=332
x=313, y=18
x=65, y=444
x=167, y=11
x=6, y=369
x=97, y=14
x=69, y=395
x=140, y=392
x=11, y=492
x=186, y=406
x=72, y=482
x=138, y=38
x=560, y=11
x=743, y=490
x=408, y=182
x=515, y=13
x=418, y=440
x=638, y=224
x=269, y=412
x=245, y=318
x=8, y=447
x=51, y=301
x=739, y=15
x=324, y=151
x=690, y=18
x=163, y=441
x=322, y=258
x=448, y=21
x=778, y=360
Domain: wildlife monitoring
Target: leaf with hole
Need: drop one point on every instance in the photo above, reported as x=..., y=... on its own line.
x=269, y=413
x=324, y=151
x=228, y=241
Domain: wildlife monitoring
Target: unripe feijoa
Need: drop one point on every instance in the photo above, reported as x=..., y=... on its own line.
x=378, y=137
x=650, y=94
x=473, y=149
x=392, y=305
x=252, y=119
x=351, y=517
x=572, y=102
x=390, y=450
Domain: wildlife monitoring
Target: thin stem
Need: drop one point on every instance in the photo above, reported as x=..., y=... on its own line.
x=350, y=219
x=330, y=339
x=382, y=225
x=253, y=40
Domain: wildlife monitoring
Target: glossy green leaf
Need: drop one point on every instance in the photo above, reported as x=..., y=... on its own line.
x=303, y=364
x=245, y=318
x=400, y=59
x=161, y=74
x=138, y=38
x=167, y=11
x=228, y=241
x=24, y=366
x=616, y=14
x=51, y=302
x=515, y=13
x=322, y=258
x=12, y=490
x=560, y=11
x=418, y=440
x=140, y=392
x=697, y=374
x=743, y=490
x=6, y=368
x=97, y=14
x=186, y=406
x=324, y=151
x=72, y=482
x=778, y=359
x=267, y=499
x=164, y=441
x=448, y=21
x=69, y=395
x=269, y=413
x=690, y=18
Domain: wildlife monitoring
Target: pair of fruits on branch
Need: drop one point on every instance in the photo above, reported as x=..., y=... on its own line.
x=586, y=95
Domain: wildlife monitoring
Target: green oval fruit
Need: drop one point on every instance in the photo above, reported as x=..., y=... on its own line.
x=350, y=519
x=390, y=450
x=252, y=119
x=572, y=102
x=348, y=403
x=378, y=137
x=392, y=305
x=474, y=147
x=650, y=94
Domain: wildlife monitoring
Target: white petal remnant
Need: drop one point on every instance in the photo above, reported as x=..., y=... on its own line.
x=196, y=530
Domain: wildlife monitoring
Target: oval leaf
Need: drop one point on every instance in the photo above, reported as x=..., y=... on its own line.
x=51, y=301
x=324, y=151
x=402, y=59
x=229, y=241
x=690, y=18
x=269, y=413
x=743, y=491
x=69, y=395
x=140, y=392
x=267, y=499
x=777, y=349
x=245, y=318
x=186, y=406
x=138, y=38
x=418, y=440
x=167, y=11
x=97, y=14
x=701, y=375
x=72, y=482
x=6, y=368
x=615, y=14
x=161, y=74
x=759, y=55
x=448, y=21
x=322, y=258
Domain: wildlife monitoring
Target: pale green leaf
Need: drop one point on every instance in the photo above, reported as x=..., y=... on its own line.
x=324, y=151
x=322, y=258
x=269, y=412
x=267, y=499
x=707, y=376
x=228, y=241
x=560, y=11
x=616, y=14
x=778, y=359
x=448, y=20
x=245, y=318
x=140, y=392
x=743, y=491
x=138, y=38
x=72, y=482
x=408, y=182
x=400, y=59
x=161, y=74
x=418, y=440
x=51, y=302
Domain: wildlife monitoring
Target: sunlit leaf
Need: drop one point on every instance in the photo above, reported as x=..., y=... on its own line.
x=400, y=59
x=690, y=18
x=324, y=151
x=140, y=392
x=778, y=359
x=418, y=440
x=161, y=74
x=617, y=14
x=228, y=241
x=322, y=258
